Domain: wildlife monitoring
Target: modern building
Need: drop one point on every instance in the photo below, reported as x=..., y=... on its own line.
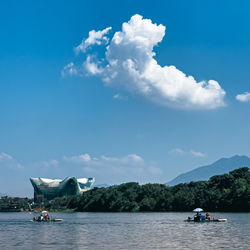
x=52, y=188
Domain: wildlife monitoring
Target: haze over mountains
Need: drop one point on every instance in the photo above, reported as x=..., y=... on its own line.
x=224, y=165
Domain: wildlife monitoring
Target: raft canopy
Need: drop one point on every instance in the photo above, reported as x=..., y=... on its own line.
x=198, y=210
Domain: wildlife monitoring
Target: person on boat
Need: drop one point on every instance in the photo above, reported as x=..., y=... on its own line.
x=40, y=217
x=208, y=216
x=202, y=217
x=46, y=216
x=197, y=217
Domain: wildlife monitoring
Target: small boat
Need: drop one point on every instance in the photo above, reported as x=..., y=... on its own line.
x=45, y=217
x=202, y=218
x=35, y=219
x=206, y=220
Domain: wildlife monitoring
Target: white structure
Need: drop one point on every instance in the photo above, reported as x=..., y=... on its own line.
x=51, y=188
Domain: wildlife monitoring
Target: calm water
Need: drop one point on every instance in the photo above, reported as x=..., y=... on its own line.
x=124, y=231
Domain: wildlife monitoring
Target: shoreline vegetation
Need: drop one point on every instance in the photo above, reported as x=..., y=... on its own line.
x=221, y=193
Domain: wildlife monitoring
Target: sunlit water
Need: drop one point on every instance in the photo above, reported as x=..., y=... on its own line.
x=124, y=231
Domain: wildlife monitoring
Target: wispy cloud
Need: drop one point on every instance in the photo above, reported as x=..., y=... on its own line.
x=197, y=154
x=69, y=69
x=245, y=97
x=128, y=159
x=182, y=152
x=129, y=63
x=5, y=157
x=49, y=163
x=118, y=96
x=8, y=161
x=82, y=158
x=177, y=151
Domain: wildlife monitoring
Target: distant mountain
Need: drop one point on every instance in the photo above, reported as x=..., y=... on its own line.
x=222, y=166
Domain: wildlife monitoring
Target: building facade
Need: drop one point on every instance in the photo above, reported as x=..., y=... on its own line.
x=51, y=188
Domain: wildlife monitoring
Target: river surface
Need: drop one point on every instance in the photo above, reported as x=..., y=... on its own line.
x=124, y=231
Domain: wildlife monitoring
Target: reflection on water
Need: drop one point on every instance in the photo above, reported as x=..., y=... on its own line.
x=123, y=231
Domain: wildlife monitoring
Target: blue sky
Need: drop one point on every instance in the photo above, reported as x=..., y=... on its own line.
x=55, y=124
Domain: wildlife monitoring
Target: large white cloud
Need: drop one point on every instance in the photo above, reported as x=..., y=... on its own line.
x=129, y=63
x=245, y=97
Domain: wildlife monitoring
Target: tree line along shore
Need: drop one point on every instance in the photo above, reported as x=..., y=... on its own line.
x=223, y=193
x=227, y=193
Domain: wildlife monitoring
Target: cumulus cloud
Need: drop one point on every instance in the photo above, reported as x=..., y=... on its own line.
x=245, y=97
x=95, y=37
x=129, y=63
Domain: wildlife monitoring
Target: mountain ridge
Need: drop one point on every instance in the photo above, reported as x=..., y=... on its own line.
x=221, y=166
